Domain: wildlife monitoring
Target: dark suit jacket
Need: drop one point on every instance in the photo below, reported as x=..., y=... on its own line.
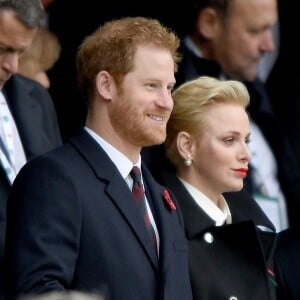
x=77, y=227
x=35, y=118
x=235, y=262
x=260, y=110
x=287, y=262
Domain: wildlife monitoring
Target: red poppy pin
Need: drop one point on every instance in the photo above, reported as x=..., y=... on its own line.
x=168, y=200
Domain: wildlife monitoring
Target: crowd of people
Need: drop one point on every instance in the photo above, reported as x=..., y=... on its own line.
x=144, y=156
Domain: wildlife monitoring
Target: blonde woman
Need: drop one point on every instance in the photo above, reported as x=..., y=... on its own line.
x=230, y=240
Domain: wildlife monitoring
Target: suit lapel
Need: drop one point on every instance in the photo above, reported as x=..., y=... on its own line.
x=17, y=94
x=195, y=219
x=242, y=207
x=166, y=220
x=117, y=189
x=121, y=195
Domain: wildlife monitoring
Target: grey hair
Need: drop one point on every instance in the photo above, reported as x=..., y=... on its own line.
x=29, y=12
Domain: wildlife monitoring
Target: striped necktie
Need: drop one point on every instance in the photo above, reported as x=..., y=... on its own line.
x=140, y=199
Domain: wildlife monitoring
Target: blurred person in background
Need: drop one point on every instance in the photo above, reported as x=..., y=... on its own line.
x=283, y=83
x=40, y=57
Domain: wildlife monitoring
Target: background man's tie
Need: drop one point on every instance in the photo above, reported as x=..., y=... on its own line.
x=139, y=196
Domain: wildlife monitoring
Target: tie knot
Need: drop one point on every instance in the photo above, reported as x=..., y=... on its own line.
x=135, y=174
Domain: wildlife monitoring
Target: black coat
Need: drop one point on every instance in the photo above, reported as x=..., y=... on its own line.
x=231, y=260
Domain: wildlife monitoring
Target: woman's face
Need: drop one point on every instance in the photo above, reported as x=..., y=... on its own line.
x=220, y=154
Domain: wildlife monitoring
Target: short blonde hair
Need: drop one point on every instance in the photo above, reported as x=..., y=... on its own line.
x=191, y=101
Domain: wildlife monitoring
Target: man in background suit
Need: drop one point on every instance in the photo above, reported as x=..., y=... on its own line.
x=78, y=227
x=28, y=123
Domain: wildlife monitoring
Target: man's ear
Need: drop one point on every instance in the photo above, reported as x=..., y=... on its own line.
x=105, y=85
x=208, y=22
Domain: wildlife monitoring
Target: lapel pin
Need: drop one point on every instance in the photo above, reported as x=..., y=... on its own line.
x=168, y=200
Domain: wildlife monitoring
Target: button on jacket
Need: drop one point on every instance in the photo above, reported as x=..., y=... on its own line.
x=229, y=261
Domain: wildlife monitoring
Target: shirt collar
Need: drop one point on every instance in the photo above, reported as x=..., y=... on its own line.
x=220, y=214
x=123, y=164
x=192, y=47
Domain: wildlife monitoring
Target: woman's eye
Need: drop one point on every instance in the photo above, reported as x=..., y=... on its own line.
x=229, y=141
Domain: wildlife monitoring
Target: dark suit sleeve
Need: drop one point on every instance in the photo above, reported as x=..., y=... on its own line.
x=37, y=120
x=42, y=244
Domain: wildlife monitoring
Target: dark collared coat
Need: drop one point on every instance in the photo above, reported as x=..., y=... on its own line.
x=73, y=224
x=230, y=262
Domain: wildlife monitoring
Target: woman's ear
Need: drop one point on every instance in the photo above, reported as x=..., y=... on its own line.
x=184, y=144
x=105, y=85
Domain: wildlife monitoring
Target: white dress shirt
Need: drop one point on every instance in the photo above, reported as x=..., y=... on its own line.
x=13, y=158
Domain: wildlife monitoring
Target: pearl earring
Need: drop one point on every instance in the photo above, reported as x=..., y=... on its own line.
x=188, y=160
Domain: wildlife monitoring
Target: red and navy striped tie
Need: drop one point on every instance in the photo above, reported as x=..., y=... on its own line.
x=139, y=196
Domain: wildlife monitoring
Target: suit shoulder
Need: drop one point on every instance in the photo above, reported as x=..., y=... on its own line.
x=22, y=83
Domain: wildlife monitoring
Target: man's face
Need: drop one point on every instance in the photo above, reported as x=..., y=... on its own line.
x=15, y=38
x=244, y=37
x=140, y=111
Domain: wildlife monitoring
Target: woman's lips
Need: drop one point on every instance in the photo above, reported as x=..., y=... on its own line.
x=241, y=171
